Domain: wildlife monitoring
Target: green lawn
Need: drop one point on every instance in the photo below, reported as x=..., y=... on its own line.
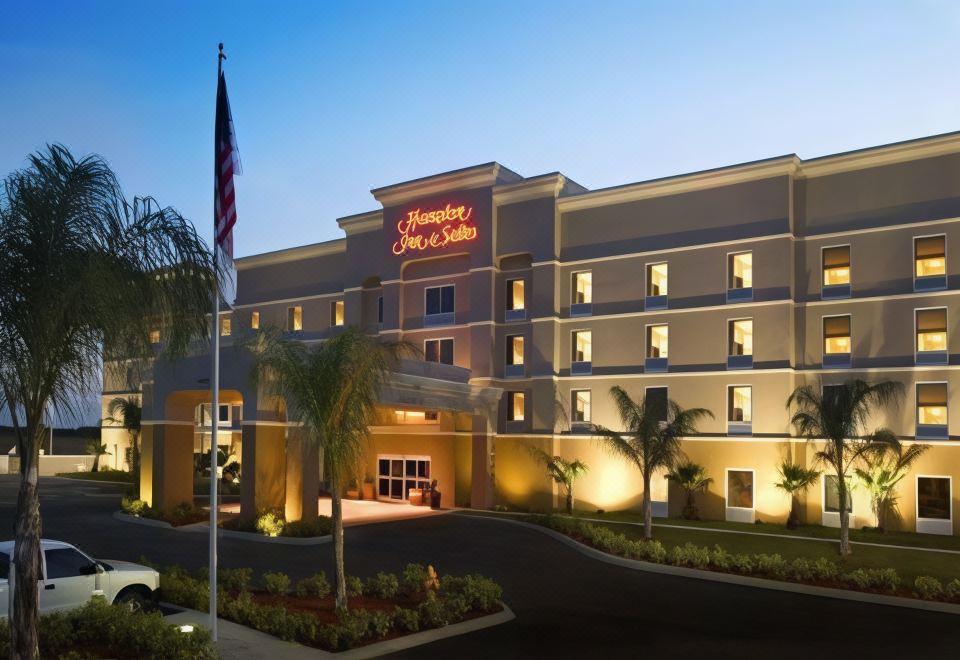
x=102, y=475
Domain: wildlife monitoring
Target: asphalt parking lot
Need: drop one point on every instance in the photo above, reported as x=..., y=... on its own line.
x=567, y=605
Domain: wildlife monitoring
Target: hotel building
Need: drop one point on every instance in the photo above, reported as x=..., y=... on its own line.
x=724, y=289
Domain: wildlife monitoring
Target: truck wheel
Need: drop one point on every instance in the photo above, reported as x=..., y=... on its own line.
x=132, y=600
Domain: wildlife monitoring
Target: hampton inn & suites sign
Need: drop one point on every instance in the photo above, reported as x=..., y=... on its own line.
x=424, y=230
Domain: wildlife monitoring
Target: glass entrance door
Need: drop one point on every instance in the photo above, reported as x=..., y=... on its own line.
x=396, y=475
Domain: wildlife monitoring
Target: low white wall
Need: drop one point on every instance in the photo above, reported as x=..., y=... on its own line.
x=4, y=464
x=51, y=465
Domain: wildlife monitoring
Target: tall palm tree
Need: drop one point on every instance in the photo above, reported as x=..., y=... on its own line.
x=82, y=269
x=838, y=416
x=692, y=479
x=127, y=412
x=651, y=440
x=882, y=471
x=562, y=471
x=332, y=391
x=794, y=480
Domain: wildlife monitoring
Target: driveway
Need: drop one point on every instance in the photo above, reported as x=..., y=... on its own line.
x=567, y=605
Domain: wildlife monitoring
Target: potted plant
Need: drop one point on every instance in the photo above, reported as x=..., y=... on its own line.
x=368, y=488
x=353, y=490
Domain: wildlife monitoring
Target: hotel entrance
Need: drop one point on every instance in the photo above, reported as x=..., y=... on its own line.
x=397, y=475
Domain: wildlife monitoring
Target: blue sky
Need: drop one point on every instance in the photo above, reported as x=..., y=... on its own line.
x=331, y=100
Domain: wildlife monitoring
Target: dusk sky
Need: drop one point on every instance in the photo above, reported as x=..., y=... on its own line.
x=331, y=100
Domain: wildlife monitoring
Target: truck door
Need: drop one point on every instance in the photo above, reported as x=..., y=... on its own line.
x=69, y=579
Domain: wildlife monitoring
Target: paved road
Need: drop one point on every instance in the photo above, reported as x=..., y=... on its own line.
x=567, y=605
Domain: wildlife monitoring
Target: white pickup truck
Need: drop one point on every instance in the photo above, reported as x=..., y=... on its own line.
x=69, y=578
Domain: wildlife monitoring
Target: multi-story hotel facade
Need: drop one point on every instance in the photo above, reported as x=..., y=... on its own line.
x=724, y=289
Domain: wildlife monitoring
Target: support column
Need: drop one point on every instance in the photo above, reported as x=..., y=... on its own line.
x=481, y=492
x=303, y=478
x=263, y=483
x=166, y=470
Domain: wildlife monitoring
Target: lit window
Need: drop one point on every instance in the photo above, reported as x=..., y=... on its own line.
x=583, y=288
x=831, y=494
x=932, y=404
x=380, y=310
x=416, y=416
x=740, y=403
x=295, y=318
x=836, y=334
x=582, y=346
x=931, y=330
x=438, y=350
x=515, y=294
x=657, y=279
x=581, y=405
x=741, y=337
x=836, y=265
x=740, y=269
x=930, y=256
x=154, y=336
x=515, y=406
x=439, y=300
x=657, y=340
x=515, y=349
x=336, y=312
x=933, y=498
x=255, y=320
x=225, y=326
x=740, y=489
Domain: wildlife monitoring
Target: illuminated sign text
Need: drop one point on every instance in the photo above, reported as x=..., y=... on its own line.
x=422, y=230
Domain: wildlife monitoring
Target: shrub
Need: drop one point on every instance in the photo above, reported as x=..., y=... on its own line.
x=432, y=613
x=379, y=624
x=179, y=588
x=478, y=592
x=234, y=579
x=454, y=607
x=653, y=551
x=354, y=586
x=952, y=590
x=690, y=555
x=183, y=512
x=802, y=570
x=269, y=523
x=880, y=579
x=720, y=559
x=382, y=585
x=303, y=529
x=133, y=506
x=413, y=579
x=773, y=565
x=277, y=584
x=742, y=563
x=315, y=585
x=406, y=620
x=352, y=628
x=825, y=569
x=928, y=588
x=327, y=637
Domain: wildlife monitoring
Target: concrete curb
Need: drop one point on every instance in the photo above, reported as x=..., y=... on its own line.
x=730, y=578
x=90, y=481
x=236, y=641
x=204, y=528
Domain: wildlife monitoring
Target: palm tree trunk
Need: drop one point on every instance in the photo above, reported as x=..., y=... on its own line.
x=135, y=463
x=570, y=499
x=647, y=508
x=844, y=518
x=336, y=512
x=24, y=640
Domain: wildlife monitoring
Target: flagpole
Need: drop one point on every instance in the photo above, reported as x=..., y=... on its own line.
x=215, y=383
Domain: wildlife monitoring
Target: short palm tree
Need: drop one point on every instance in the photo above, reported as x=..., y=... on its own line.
x=331, y=390
x=882, y=471
x=562, y=471
x=127, y=412
x=692, y=479
x=838, y=417
x=84, y=271
x=651, y=440
x=98, y=449
x=794, y=480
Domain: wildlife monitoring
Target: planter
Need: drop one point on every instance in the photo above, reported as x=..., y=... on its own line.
x=368, y=490
x=353, y=494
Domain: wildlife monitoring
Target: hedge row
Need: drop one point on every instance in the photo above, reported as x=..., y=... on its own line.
x=99, y=630
x=801, y=569
x=435, y=603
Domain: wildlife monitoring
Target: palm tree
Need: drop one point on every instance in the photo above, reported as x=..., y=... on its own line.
x=838, y=416
x=85, y=276
x=127, y=412
x=652, y=439
x=692, y=479
x=98, y=449
x=562, y=471
x=332, y=391
x=794, y=480
x=883, y=470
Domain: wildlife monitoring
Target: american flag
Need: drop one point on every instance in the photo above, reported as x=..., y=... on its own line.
x=227, y=164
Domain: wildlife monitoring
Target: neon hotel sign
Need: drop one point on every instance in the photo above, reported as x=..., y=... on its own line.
x=425, y=230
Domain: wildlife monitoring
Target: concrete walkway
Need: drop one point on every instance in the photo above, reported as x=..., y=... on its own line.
x=364, y=512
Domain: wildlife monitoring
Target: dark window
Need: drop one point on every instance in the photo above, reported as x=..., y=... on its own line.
x=380, y=309
x=65, y=563
x=438, y=350
x=4, y=567
x=933, y=498
x=440, y=300
x=831, y=503
x=740, y=489
x=656, y=400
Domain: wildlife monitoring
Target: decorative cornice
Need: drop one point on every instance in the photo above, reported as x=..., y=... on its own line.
x=478, y=176
x=292, y=254
x=548, y=185
x=361, y=222
x=888, y=154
